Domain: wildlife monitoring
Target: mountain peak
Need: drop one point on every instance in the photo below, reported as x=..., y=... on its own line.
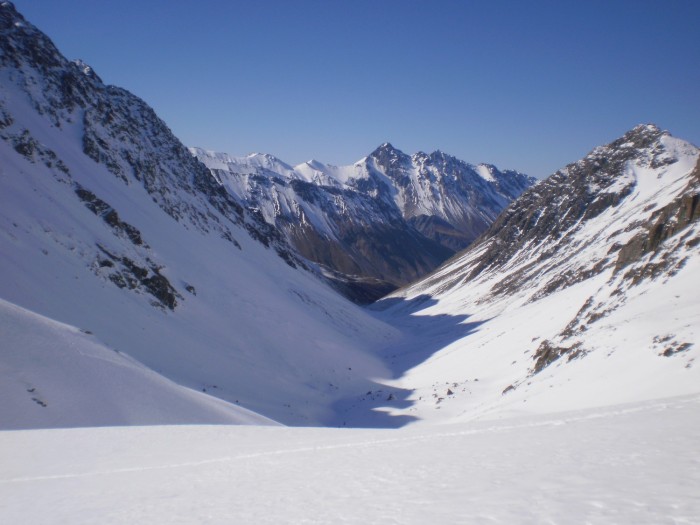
x=9, y=7
x=641, y=142
x=647, y=128
x=444, y=157
x=387, y=155
x=20, y=42
x=315, y=164
x=387, y=148
x=11, y=19
x=645, y=133
x=602, y=243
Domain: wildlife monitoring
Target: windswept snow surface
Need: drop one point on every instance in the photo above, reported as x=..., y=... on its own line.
x=635, y=464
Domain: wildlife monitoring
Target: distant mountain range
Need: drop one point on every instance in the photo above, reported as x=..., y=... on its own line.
x=383, y=222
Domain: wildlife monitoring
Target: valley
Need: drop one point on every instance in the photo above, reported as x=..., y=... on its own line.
x=186, y=335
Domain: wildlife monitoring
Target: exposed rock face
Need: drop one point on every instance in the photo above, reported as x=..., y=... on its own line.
x=108, y=214
x=546, y=354
x=352, y=234
x=381, y=223
x=664, y=223
x=390, y=221
x=550, y=219
x=447, y=199
x=563, y=203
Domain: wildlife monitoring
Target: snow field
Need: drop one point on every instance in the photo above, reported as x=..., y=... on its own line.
x=628, y=464
x=55, y=375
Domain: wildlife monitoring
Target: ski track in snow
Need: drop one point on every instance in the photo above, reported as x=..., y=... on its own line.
x=662, y=405
x=627, y=464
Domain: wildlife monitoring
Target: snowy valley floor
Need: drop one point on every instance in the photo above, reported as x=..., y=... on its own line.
x=635, y=464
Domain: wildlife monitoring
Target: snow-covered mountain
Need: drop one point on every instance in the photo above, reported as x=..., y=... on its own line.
x=135, y=289
x=582, y=293
x=447, y=199
x=383, y=222
x=109, y=225
x=579, y=294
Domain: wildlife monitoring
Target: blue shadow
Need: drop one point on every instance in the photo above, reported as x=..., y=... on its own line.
x=423, y=336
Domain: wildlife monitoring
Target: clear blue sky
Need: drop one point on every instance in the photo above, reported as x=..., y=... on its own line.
x=529, y=85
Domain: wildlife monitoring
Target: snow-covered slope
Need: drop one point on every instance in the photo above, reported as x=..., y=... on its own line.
x=382, y=222
x=582, y=293
x=109, y=224
x=57, y=375
x=629, y=464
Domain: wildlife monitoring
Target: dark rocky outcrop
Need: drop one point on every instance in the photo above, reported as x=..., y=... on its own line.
x=663, y=224
x=109, y=215
x=547, y=353
x=561, y=204
x=126, y=273
x=550, y=215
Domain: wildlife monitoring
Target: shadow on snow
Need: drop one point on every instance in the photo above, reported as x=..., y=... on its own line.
x=423, y=336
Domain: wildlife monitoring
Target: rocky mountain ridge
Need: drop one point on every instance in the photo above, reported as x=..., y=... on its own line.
x=551, y=215
x=120, y=132
x=582, y=284
x=380, y=223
